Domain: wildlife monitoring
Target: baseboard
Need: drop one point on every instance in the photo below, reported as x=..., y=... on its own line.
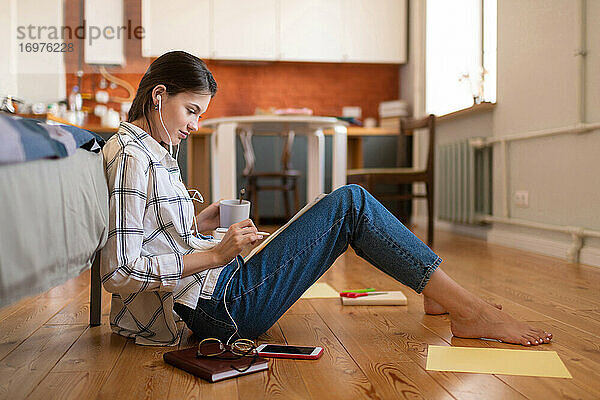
x=475, y=231
x=590, y=256
x=531, y=240
x=539, y=242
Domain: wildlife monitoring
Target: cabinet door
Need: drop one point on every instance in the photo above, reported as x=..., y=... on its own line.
x=176, y=25
x=375, y=31
x=9, y=46
x=311, y=30
x=245, y=30
x=40, y=74
x=107, y=48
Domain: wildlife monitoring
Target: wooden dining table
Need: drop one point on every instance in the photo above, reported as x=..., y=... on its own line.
x=223, y=160
x=199, y=155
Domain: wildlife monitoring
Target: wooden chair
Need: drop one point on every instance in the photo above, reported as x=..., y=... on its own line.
x=287, y=175
x=370, y=177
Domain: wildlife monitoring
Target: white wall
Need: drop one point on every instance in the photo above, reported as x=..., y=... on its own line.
x=8, y=77
x=538, y=78
x=538, y=88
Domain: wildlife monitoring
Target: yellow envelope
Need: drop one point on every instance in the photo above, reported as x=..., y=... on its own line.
x=320, y=290
x=496, y=361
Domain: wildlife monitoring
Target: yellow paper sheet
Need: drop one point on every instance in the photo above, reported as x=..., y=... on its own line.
x=496, y=361
x=320, y=291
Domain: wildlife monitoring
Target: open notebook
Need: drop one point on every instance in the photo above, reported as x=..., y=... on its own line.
x=278, y=231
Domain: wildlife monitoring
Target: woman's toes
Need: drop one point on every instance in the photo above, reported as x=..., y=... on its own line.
x=541, y=336
x=533, y=339
x=525, y=341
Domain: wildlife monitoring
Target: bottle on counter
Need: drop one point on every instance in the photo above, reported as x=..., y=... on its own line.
x=75, y=115
x=75, y=100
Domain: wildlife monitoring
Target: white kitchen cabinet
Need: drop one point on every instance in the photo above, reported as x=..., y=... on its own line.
x=369, y=31
x=375, y=31
x=176, y=25
x=9, y=47
x=107, y=48
x=245, y=30
x=40, y=74
x=311, y=30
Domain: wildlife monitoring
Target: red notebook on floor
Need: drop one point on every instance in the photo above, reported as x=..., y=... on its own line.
x=214, y=369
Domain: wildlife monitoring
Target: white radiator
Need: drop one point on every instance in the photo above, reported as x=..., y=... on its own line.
x=463, y=182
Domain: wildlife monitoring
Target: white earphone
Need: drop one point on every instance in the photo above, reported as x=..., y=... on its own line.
x=165, y=128
x=200, y=200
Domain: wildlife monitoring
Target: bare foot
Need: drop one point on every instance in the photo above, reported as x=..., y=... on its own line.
x=486, y=321
x=432, y=307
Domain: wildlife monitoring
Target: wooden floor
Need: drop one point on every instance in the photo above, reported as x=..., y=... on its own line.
x=48, y=351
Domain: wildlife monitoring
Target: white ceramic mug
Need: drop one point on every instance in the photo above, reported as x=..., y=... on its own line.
x=232, y=212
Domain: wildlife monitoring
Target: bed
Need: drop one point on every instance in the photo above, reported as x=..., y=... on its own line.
x=53, y=221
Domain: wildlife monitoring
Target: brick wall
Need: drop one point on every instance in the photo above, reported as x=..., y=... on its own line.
x=323, y=87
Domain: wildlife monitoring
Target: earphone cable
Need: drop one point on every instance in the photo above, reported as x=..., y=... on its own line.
x=200, y=200
x=225, y=302
x=163, y=125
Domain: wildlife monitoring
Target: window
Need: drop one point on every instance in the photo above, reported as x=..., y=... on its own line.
x=460, y=54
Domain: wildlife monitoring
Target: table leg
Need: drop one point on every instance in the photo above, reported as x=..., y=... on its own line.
x=315, y=179
x=223, y=161
x=355, y=153
x=338, y=173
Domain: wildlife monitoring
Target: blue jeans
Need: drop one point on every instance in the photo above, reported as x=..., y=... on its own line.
x=265, y=287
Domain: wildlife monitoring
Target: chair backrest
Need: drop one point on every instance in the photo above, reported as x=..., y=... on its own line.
x=250, y=157
x=286, y=155
x=428, y=123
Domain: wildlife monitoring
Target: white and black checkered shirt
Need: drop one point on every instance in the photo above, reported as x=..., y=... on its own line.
x=150, y=222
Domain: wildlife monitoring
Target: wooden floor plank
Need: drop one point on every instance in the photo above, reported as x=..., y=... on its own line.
x=335, y=365
x=184, y=385
x=140, y=373
x=414, y=339
x=542, y=274
x=542, y=304
x=301, y=306
x=21, y=319
x=27, y=365
x=283, y=379
x=78, y=311
x=522, y=292
x=391, y=375
x=96, y=350
x=371, y=352
x=26, y=321
x=537, y=387
x=69, y=385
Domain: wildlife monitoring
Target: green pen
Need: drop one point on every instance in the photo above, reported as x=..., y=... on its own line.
x=360, y=290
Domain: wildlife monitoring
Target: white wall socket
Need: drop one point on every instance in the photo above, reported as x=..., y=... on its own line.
x=522, y=198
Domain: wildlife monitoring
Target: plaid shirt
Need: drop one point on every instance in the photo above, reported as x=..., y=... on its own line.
x=150, y=220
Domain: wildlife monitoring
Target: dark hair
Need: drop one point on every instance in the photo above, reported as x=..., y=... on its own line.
x=179, y=72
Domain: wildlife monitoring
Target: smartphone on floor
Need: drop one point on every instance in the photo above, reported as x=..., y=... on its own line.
x=287, y=351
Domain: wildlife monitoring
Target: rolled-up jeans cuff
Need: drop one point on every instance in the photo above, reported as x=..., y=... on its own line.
x=428, y=271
